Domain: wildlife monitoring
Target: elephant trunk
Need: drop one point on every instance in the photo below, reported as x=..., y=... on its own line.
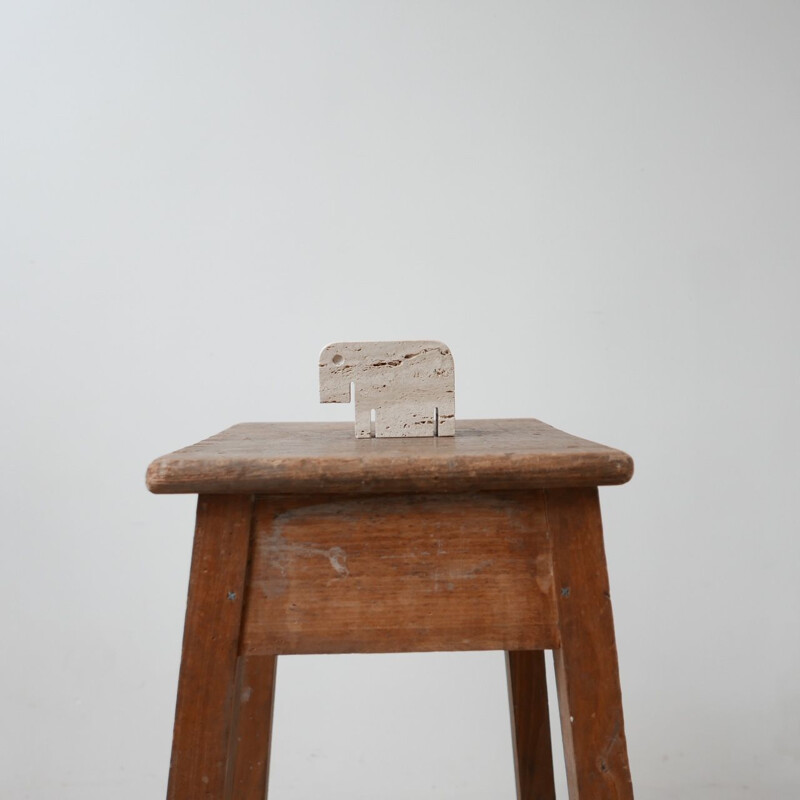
x=333, y=388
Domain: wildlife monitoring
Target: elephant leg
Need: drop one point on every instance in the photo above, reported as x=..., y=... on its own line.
x=363, y=421
x=447, y=418
x=404, y=420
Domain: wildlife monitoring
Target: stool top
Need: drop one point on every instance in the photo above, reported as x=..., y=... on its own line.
x=324, y=457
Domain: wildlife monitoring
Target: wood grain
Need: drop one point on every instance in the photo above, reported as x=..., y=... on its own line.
x=590, y=701
x=400, y=573
x=530, y=725
x=251, y=729
x=204, y=709
x=306, y=458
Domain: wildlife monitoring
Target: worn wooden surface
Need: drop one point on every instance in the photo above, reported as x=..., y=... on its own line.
x=590, y=701
x=530, y=725
x=409, y=386
x=400, y=573
x=251, y=728
x=204, y=710
x=422, y=570
x=305, y=458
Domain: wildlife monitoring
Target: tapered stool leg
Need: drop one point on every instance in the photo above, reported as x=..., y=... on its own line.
x=204, y=711
x=251, y=729
x=589, y=697
x=530, y=725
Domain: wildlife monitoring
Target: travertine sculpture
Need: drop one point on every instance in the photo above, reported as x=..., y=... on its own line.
x=402, y=388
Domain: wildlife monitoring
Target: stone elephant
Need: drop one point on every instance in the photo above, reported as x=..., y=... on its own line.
x=408, y=386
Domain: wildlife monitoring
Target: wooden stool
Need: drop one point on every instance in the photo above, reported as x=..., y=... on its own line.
x=311, y=541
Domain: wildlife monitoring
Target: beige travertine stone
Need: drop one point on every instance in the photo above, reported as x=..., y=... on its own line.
x=409, y=385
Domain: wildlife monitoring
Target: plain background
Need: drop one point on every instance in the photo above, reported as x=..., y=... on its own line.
x=596, y=207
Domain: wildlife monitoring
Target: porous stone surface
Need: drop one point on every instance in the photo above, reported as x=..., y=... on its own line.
x=409, y=385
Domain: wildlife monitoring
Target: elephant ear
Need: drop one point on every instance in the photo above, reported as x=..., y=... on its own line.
x=403, y=388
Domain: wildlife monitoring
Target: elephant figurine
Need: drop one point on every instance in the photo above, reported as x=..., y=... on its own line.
x=402, y=388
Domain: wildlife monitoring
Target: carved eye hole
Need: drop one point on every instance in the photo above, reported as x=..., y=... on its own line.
x=337, y=359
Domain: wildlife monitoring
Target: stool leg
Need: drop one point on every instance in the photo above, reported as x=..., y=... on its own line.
x=204, y=710
x=251, y=729
x=530, y=725
x=589, y=697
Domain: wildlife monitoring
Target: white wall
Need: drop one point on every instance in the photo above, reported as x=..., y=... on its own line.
x=595, y=205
